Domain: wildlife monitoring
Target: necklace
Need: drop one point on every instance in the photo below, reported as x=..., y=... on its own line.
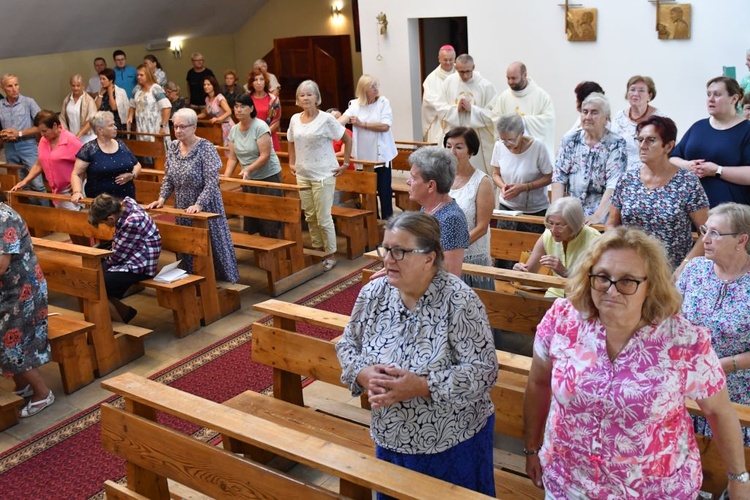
x=460, y=181
x=438, y=207
x=636, y=120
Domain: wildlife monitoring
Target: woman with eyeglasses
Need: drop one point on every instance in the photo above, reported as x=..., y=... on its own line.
x=590, y=161
x=523, y=170
x=564, y=241
x=716, y=294
x=613, y=364
x=419, y=345
x=658, y=197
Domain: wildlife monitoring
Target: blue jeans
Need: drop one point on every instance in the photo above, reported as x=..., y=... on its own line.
x=25, y=153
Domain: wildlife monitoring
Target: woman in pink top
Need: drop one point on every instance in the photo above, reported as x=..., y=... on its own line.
x=267, y=105
x=613, y=364
x=57, y=155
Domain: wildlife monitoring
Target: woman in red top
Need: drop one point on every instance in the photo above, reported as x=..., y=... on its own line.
x=267, y=104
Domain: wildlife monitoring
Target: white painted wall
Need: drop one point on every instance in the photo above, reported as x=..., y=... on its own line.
x=502, y=31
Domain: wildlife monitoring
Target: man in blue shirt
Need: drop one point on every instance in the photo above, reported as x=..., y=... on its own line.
x=125, y=75
x=17, y=114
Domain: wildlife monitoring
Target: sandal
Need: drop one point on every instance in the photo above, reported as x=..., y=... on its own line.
x=328, y=264
x=33, y=408
x=25, y=392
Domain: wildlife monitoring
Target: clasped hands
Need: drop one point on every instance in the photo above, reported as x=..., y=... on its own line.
x=703, y=168
x=388, y=384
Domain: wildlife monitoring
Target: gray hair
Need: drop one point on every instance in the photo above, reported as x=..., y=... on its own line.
x=172, y=86
x=99, y=120
x=7, y=76
x=196, y=54
x=435, y=164
x=465, y=59
x=598, y=100
x=75, y=78
x=187, y=114
x=511, y=123
x=738, y=217
x=571, y=211
x=424, y=227
x=309, y=85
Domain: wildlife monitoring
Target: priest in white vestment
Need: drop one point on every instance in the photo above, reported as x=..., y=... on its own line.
x=432, y=128
x=526, y=98
x=464, y=103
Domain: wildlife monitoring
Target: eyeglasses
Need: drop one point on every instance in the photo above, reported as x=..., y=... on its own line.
x=626, y=286
x=553, y=225
x=511, y=142
x=713, y=233
x=397, y=253
x=650, y=141
x=182, y=127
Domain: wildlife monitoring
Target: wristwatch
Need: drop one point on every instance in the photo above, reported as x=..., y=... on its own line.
x=20, y=134
x=741, y=478
x=718, y=171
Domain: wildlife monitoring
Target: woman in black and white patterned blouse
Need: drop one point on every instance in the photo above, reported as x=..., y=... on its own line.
x=419, y=344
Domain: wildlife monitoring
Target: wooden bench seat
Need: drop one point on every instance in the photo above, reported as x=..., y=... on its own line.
x=155, y=453
x=183, y=298
x=10, y=406
x=68, y=338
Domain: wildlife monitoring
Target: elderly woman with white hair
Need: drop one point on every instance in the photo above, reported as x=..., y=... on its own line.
x=433, y=170
x=107, y=165
x=371, y=117
x=590, y=161
x=77, y=109
x=312, y=159
x=564, y=241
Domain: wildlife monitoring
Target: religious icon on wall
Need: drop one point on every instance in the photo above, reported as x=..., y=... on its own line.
x=580, y=25
x=673, y=21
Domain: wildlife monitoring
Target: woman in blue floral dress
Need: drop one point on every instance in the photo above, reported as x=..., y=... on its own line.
x=658, y=197
x=23, y=313
x=716, y=291
x=193, y=176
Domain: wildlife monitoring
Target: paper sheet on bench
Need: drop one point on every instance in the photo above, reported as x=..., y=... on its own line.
x=170, y=273
x=507, y=212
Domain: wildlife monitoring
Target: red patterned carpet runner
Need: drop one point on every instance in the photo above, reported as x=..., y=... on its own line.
x=67, y=461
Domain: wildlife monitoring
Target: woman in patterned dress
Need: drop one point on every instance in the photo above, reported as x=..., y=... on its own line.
x=660, y=198
x=192, y=168
x=149, y=106
x=23, y=313
x=716, y=294
x=419, y=345
x=217, y=107
x=604, y=412
x=590, y=161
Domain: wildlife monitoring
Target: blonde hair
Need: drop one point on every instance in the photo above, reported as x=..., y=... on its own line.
x=364, y=83
x=662, y=300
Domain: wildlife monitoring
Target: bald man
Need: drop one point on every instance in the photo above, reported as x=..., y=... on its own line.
x=464, y=103
x=529, y=100
x=432, y=129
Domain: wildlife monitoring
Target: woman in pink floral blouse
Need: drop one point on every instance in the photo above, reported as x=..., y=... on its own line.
x=613, y=364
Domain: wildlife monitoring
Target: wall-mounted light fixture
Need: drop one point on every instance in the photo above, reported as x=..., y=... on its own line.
x=336, y=11
x=175, y=44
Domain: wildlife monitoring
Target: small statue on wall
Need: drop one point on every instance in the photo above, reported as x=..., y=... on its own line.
x=673, y=21
x=382, y=22
x=580, y=25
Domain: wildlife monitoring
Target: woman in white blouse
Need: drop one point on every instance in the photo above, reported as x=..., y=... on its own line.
x=77, y=109
x=371, y=118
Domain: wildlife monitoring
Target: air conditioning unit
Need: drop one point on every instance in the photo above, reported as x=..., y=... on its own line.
x=158, y=45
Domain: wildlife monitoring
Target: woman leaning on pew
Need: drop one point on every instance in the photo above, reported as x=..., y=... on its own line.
x=613, y=364
x=419, y=345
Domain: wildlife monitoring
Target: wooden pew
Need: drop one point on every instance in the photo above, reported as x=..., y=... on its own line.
x=405, y=148
x=68, y=339
x=532, y=219
x=151, y=149
x=191, y=299
x=294, y=356
x=155, y=453
x=12, y=169
x=10, y=406
x=77, y=271
x=401, y=197
x=210, y=131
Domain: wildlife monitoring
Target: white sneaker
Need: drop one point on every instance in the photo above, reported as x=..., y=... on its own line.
x=32, y=408
x=329, y=264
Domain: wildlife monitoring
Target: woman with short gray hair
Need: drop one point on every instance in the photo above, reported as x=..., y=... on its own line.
x=433, y=170
x=106, y=163
x=522, y=172
x=77, y=109
x=565, y=239
x=590, y=161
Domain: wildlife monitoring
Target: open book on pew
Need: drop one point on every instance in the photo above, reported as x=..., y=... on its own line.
x=513, y=213
x=170, y=273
